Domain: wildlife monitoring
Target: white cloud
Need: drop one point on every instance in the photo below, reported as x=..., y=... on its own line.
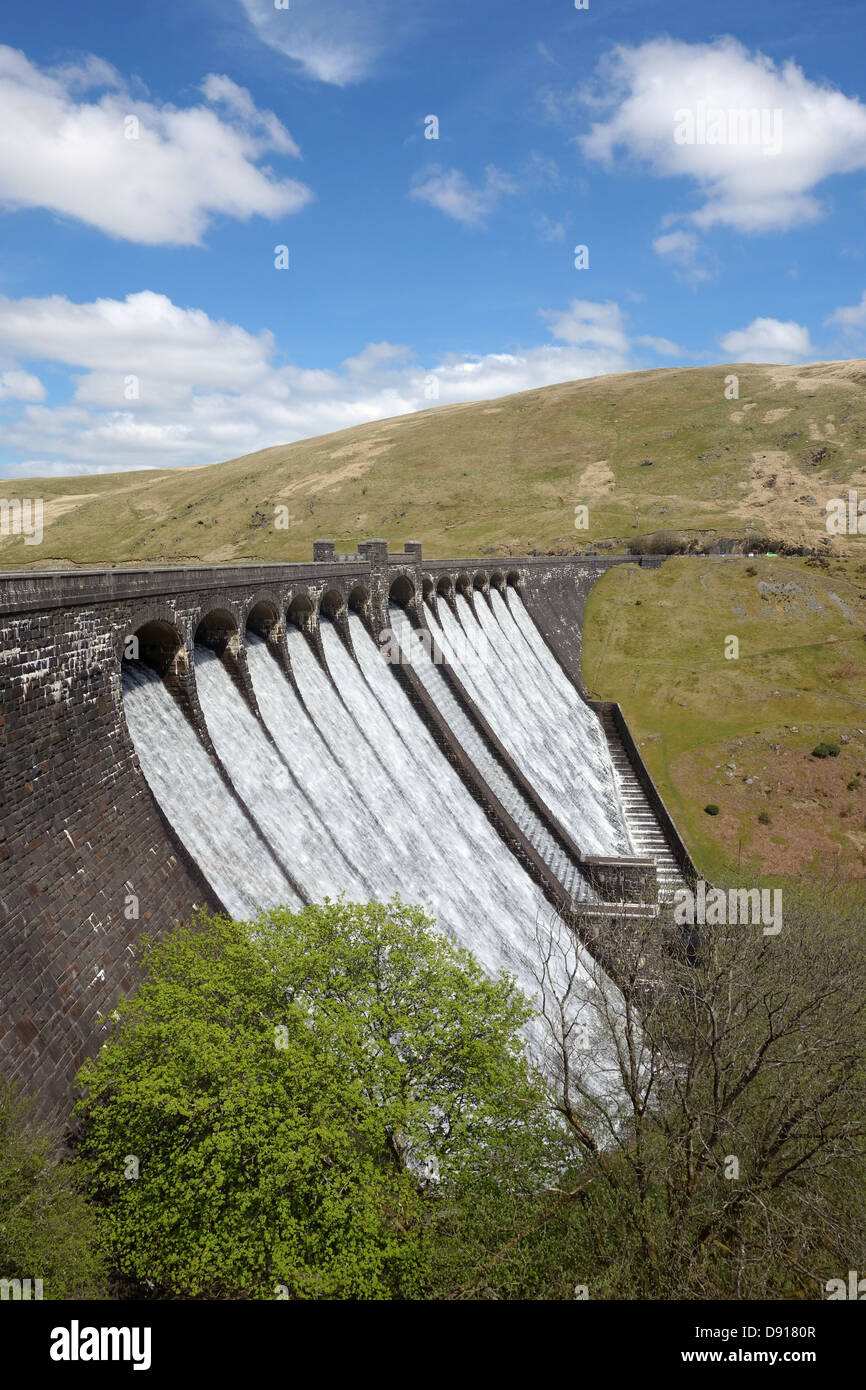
x=587, y=324
x=683, y=249
x=377, y=357
x=451, y=192
x=854, y=316
x=768, y=340
x=547, y=229
x=679, y=243
x=220, y=90
x=645, y=88
x=333, y=41
x=74, y=156
x=144, y=334
x=20, y=386
x=663, y=346
x=542, y=170
x=210, y=390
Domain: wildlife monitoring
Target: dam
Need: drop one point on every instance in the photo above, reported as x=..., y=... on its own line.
x=246, y=736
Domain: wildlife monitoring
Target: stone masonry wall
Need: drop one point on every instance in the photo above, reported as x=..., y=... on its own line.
x=80, y=835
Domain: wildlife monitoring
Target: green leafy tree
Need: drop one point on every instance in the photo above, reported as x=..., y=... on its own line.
x=47, y=1230
x=291, y=1107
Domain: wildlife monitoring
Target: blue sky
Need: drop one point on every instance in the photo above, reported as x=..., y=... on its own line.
x=152, y=159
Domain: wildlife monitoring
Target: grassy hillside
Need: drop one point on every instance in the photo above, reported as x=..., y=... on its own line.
x=739, y=732
x=503, y=475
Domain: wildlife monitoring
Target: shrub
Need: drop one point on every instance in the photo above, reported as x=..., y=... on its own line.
x=750, y=569
x=659, y=543
x=46, y=1227
x=764, y=818
x=712, y=809
x=826, y=750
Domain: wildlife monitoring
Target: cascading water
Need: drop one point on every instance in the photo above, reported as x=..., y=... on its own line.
x=313, y=739
x=479, y=893
x=350, y=794
x=555, y=739
x=299, y=835
x=212, y=826
x=370, y=785
x=414, y=645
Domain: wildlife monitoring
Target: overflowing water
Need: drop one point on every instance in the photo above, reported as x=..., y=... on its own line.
x=564, y=868
x=347, y=791
x=296, y=827
x=480, y=894
x=209, y=821
x=552, y=735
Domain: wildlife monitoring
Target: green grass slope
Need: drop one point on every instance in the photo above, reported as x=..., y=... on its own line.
x=738, y=732
x=503, y=475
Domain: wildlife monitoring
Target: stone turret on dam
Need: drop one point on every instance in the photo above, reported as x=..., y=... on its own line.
x=221, y=736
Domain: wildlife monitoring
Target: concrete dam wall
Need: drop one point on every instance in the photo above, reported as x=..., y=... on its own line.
x=246, y=736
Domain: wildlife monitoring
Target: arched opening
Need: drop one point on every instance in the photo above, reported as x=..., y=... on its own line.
x=262, y=619
x=157, y=644
x=219, y=631
x=514, y=579
x=402, y=592
x=301, y=612
x=497, y=582
x=445, y=587
x=332, y=604
x=359, y=600
x=428, y=594
x=464, y=585
x=480, y=582
x=153, y=656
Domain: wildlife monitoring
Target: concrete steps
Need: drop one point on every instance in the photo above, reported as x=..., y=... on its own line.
x=646, y=831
